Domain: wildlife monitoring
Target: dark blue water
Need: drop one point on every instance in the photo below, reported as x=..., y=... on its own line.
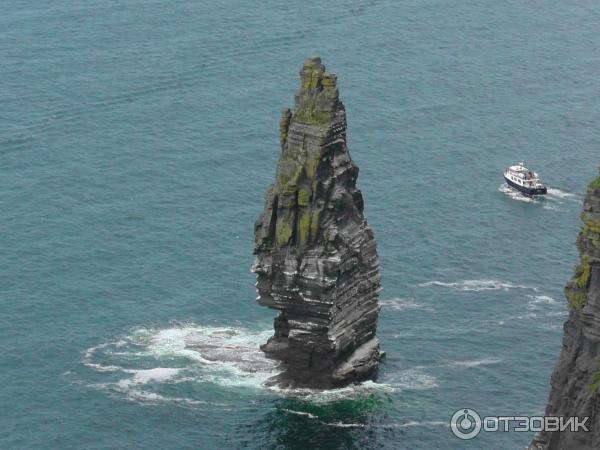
x=137, y=139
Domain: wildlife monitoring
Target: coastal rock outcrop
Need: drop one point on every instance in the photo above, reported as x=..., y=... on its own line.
x=316, y=257
x=575, y=382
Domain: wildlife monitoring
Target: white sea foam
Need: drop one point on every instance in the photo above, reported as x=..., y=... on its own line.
x=529, y=315
x=344, y=425
x=134, y=392
x=560, y=194
x=461, y=364
x=477, y=285
x=427, y=423
x=543, y=314
x=540, y=301
x=554, y=195
x=160, y=374
x=329, y=424
x=472, y=363
x=300, y=413
x=514, y=194
x=89, y=354
x=340, y=424
x=332, y=395
x=183, y=353
x=230, y=357
x=402, y=304
x=413, y=379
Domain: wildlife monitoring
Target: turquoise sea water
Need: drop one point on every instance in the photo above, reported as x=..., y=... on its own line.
x=137, y=139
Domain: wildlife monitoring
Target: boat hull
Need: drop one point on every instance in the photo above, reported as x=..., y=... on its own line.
x=525, y=190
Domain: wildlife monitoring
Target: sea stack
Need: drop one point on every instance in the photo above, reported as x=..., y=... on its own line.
x=575, y=382
x=316, y=257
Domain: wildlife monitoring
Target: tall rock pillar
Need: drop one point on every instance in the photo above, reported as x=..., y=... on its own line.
x=316, y=257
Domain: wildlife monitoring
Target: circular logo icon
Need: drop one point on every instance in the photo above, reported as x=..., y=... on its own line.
x=465, y=423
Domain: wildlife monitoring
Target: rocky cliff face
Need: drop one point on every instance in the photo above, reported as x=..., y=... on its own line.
x=575, y=382
x=316, y=258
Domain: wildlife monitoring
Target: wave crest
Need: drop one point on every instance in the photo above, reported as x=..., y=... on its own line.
x=477, y=285
x=142, y=364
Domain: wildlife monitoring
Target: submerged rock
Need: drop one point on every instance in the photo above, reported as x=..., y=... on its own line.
x=575, y=382
x=316, y=257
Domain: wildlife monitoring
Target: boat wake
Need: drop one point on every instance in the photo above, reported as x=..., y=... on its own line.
x=557, y=193
x=553, y=197
x=514, y=194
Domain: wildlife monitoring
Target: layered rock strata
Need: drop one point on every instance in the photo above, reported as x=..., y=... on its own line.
x=316, y=257
x=575, y=382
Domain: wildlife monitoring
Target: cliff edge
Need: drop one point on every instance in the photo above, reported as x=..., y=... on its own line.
x=575, y=382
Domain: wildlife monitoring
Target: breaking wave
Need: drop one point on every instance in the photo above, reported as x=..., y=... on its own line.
x=144, y=364
x=540, y=301
x=541, y=310
x=402, y=304
x=477, y=285
x=427, y=423
x=466, y=364
x=340, y=424
x=471, y=364
x=150, y=358
x=412, y=379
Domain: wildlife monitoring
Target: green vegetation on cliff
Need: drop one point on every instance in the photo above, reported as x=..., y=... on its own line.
x=595, y=184
x=575, y=298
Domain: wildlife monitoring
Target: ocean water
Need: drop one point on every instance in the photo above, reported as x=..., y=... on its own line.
x=137, y=139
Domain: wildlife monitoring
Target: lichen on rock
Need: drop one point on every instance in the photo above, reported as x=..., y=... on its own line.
x=316, y=257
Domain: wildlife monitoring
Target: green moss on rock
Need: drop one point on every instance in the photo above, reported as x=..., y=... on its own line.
x=310, y=113
x=329, y=79
x=576, y=299
x=304, y=197
x=590, y=225
x=304, y=228
x=283, y=233
x=312, y=163
x=594, y=184
x=584, y=275
x=287, y=177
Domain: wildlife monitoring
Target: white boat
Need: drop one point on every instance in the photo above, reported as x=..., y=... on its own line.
x=524, y=180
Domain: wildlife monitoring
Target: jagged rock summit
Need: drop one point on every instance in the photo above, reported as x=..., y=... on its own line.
x=316, y=257
x=575, y=382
